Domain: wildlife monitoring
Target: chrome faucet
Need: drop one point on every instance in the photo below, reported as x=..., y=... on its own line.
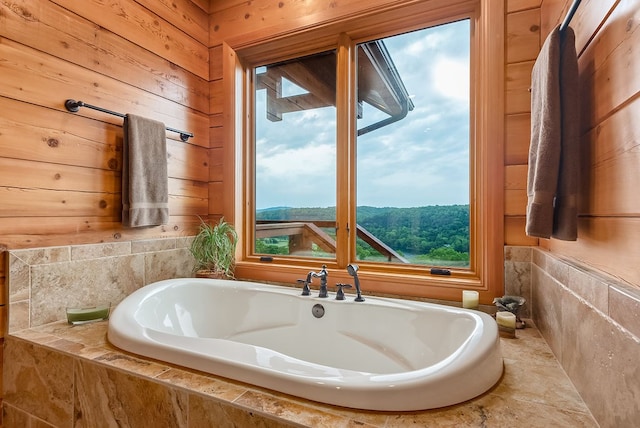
x=323, y=280
x=353, y=271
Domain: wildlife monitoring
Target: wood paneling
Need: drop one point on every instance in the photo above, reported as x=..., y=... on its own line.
x=143, y=28
x=3, y=275
x=245, y=23
x=518, y=5
x=31, y=232
x=609, y=66
x=28, y=202
x=518, y=82
x=51, y=80
x=609, y=225
x=183, y=15
x=215, y=136
x=215, y=91
x=204, y=5
x=554, y=13
x=515, y=202
x=215, y=63
x=187, y=161
x=515, y=177
x=216, y=161
x=514, y=232
x=26, y=174
x=215, y=120
x=36, y=202
x=523, y=35
x=515, y=188
x=82, y=42
x=41, y=134
x=59, y=171
x=518, y=137
x=611, y=244
x=216, y=198
x=611, y=165
x=587, y=19
x=523, y=45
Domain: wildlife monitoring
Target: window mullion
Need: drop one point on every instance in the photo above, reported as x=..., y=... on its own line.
x=345, y=140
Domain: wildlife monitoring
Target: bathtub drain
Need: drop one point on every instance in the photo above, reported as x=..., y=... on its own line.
x=317, y=310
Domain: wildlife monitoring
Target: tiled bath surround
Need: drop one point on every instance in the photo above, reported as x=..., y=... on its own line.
x=70, y=376
x=592, y=324
x=45, y=281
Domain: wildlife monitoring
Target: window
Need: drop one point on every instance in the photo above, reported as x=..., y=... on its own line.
x=295, y=157
x=412, y=151
x=374, y=150
x=412, y=148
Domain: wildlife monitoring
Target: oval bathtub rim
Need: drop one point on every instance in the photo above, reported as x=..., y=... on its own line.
x=131, y=336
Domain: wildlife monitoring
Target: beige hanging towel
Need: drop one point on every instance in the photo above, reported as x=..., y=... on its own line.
x=554, y=162
x=145, y=197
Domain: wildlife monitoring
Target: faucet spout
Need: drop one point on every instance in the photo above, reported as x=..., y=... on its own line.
x=352, y=269
x=323, y=280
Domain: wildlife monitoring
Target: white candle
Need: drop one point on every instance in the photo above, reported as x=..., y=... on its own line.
x=470, y=299
x=506, y=319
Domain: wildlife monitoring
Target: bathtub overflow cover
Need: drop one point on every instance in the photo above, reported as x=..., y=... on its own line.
x=317, y=310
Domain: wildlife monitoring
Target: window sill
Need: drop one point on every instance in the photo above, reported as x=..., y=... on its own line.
x=373, y=282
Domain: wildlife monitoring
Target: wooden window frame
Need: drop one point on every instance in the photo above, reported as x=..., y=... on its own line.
x=486, y=156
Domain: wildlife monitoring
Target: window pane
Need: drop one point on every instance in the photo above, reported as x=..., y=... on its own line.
x=295, y=157
x=413, y=147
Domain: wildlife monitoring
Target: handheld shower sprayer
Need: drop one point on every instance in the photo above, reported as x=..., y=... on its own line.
x=352, y=269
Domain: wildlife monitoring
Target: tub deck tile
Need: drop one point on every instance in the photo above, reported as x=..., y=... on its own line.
x=203, y=383
x=534, y=390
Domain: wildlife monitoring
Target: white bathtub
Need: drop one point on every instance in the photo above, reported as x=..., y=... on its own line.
x=381, y=354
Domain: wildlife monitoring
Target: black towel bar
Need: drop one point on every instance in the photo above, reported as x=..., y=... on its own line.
x=567, y=19
x=73, y=106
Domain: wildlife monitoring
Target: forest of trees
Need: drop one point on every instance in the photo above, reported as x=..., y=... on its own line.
x=435, y=234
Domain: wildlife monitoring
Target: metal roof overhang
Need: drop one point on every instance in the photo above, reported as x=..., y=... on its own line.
x=379, y=84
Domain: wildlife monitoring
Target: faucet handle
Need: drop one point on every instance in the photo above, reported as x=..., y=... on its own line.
x=306, y=291
x=340, y=292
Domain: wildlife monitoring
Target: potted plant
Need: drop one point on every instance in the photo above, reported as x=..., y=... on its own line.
x=214, y=249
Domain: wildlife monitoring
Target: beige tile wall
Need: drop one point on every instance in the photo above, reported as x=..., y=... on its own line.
x=591, y=322
x=65, y=383
x=45, y=281
x=517, y=275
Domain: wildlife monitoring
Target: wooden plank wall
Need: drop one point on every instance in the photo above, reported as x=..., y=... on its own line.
x=608, y=42
x=59, y=171
x=523, y=45
x=609, y=62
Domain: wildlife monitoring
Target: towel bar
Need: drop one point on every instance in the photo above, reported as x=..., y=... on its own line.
x=569, y=17
x=73, y=106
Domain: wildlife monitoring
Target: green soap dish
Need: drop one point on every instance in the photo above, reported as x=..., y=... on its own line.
x=88, y=314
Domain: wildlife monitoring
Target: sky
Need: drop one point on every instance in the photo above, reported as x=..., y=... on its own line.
x=420, y=160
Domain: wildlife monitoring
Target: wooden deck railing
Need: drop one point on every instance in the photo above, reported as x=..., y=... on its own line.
x=303, y=234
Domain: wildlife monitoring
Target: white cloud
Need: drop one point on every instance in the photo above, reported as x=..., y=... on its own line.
x=308, y=161
x=451, y=78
